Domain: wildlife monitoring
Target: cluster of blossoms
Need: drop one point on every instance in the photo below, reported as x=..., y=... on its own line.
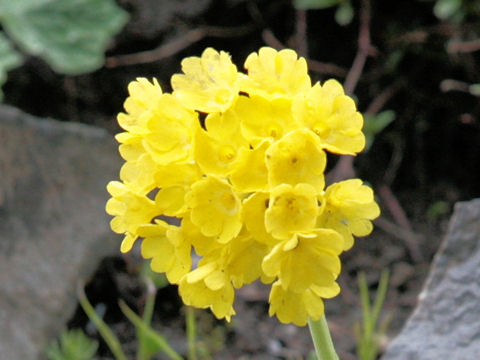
x=239, y=160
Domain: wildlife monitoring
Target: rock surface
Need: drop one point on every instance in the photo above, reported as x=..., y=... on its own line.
x=446, y=322
x=53, y=227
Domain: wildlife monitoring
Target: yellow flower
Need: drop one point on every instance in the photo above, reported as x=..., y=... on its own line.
x=291, y=209
x=130, y=210
x=184, y=174
x=170, y=131
x=297, y=308
x=305, y=260
x=139, y=105
x=273, y=73
x=296, y=158
x=332, y=115
x=169, y=251
x=215, y=208
x=249, y=173
x=239, y=160
x=171, y=200
x=264, y=119
x=292, y=307
x=140, y=173
x=209, y=84
x=254, y=208
x=243, y=258
x=201, y=243
x=208, y=287
x=349, y=208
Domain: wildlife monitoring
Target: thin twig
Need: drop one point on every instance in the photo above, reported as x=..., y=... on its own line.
x=344, y=167
x=394, y=207
x=410, y=239
x=326, y=68
x=363, y=49
x=455, y=46
x=301, y=33
x=454, y=85
x=271, y=40
x=175, y=46
x=383, y=97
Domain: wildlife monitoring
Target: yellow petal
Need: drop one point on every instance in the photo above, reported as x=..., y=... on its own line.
x=273, y=73
x=209, y=82
x=296, y=158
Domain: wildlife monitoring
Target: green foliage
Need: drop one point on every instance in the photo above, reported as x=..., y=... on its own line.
x=71, y=36
x=437, y=210
x=314, y=4
x=9, y=59
x=375, y=124
x=474, y=89
x=107, y=334
x=150, y=341
x=369, y=333
x=445, y=9
x=343, y=14
x=74, y=345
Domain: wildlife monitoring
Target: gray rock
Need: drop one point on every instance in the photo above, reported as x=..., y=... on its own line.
x=53, y=226
x=446, y=322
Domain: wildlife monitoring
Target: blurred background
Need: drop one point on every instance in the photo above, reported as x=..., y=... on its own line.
x=412, y=66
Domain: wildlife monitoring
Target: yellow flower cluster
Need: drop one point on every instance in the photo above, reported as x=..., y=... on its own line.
x=240, y=160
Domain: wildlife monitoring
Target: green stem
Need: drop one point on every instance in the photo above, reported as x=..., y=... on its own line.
x=107, y=334
x=192, y=346
x=322, y=340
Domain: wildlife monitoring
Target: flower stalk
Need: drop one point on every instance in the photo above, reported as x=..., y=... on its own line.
x=322, y=340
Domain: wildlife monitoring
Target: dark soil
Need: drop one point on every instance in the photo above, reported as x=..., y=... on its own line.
x=419, y=166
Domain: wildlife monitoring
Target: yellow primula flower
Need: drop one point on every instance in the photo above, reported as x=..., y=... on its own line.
x=201, y=243
x=242, y=258
x=208, y=287
x=296, y=158
x=139, y=105
x=209, y=83
x=292, y=307
x=215, y=208
x=169, y=251
x=140, y=174
x=171, y=130
x=238, y=160
x=249, y=173
x=254, y=208
x=306, y=259
x=273, y=73
x=130, y=210
x=349, y=208
x=291, y=209
x=264, y=119
x=184, y=174
x=333, y=116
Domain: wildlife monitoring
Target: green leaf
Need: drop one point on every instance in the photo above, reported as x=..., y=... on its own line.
x=70, y=35
x=107, y=333
x=314, y=4
x=154, y=341
x=374, y=124
x=344, y=13
x=9, y=59
x=74, y=345
x=445, y=9
x=474, y=89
